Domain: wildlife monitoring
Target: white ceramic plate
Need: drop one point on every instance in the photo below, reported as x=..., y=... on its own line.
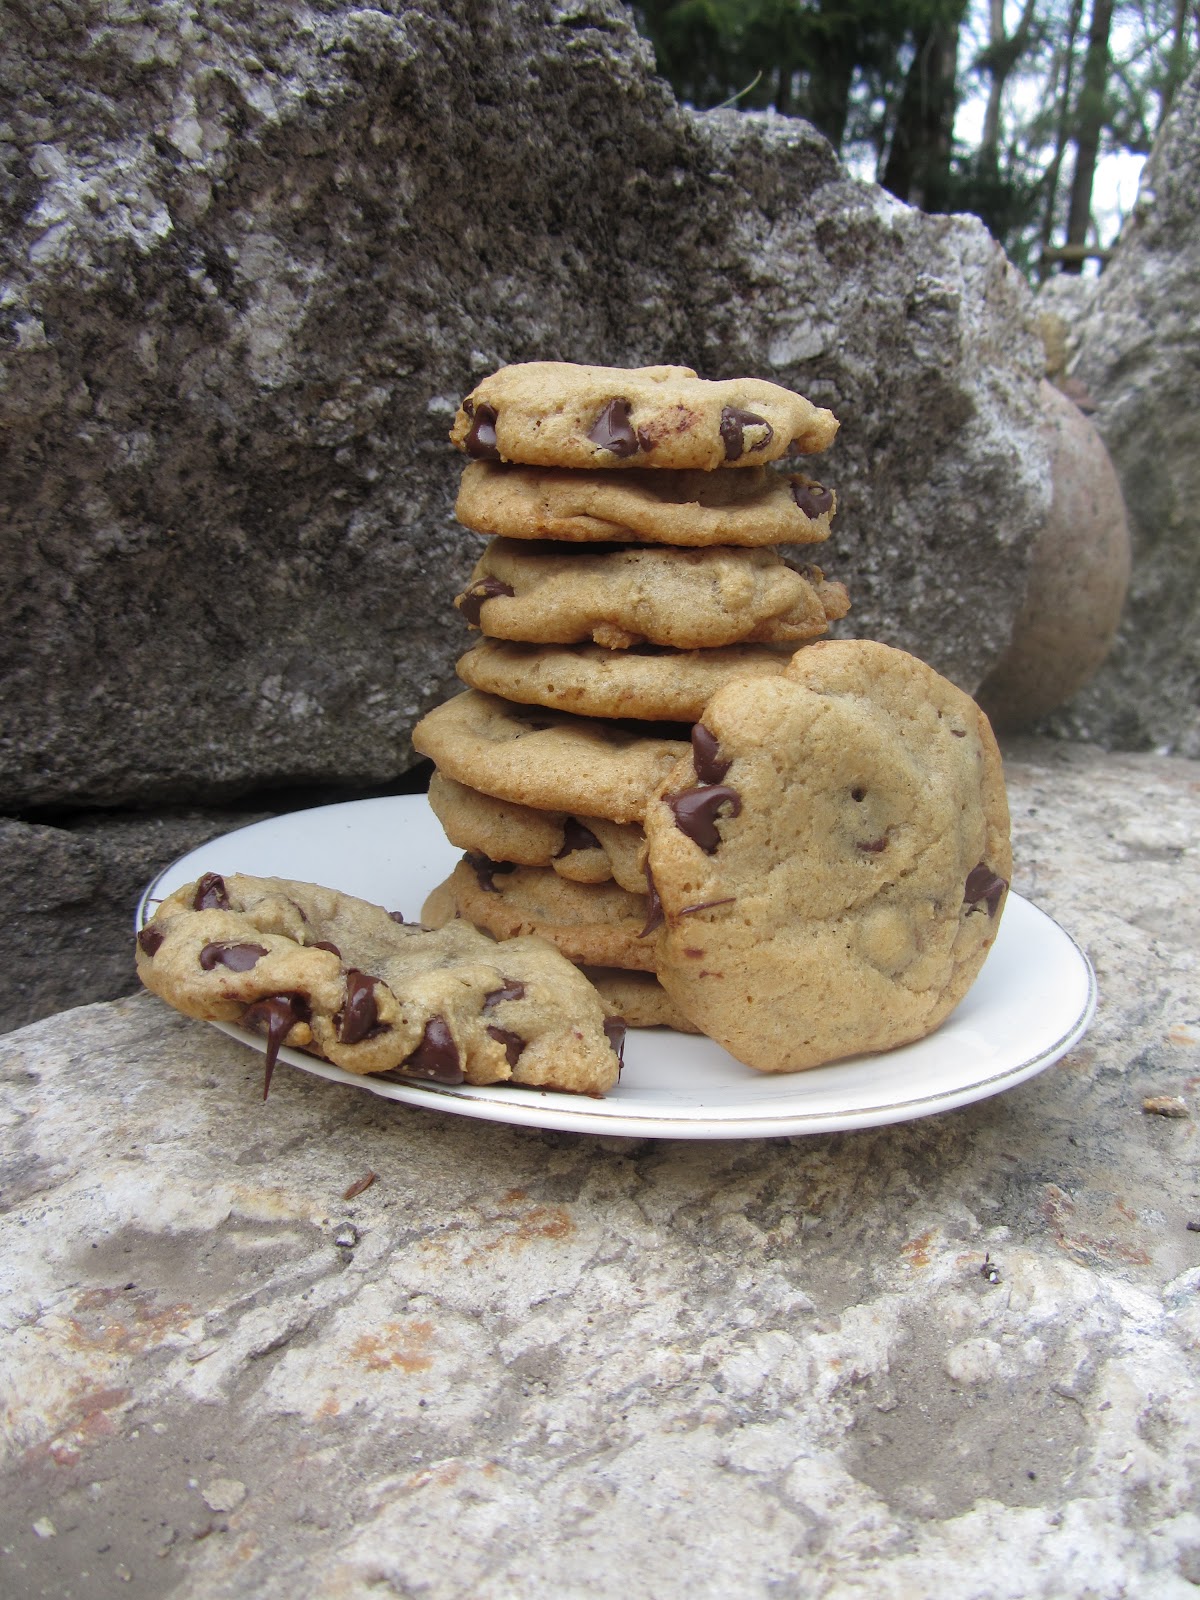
x=1031, y=1003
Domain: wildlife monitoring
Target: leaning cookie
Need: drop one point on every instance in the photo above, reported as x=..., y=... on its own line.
x=546, y=759
x=756, y=506
x=558, y=414
x=343, y=979
x=624, y=595
x=832, y=860
x=582, y=849
x=595, y=924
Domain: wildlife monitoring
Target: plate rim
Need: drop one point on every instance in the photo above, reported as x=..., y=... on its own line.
x=554, y=1110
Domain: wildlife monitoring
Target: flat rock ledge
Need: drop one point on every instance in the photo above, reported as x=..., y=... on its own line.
x=953, y=1356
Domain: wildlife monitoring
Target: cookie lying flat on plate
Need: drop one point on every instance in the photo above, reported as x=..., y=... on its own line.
x=638, y=999
x=623, y=595
x=755, y=506
x=557, y=414
x=339, y=977
x=546, y=759
x=832, y=859
x=652, y=682
x=598, y=924
x=583, y=849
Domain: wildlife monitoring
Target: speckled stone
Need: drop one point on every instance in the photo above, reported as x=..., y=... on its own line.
x=956, y=1356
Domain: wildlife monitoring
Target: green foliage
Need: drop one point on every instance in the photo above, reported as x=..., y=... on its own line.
x=882, y=80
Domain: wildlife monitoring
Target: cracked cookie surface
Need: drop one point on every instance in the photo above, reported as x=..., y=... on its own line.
x=634, y=594
x=557, y=413
x=547, y=759
x=341, y=978
x=756, y=506
x=832, y=858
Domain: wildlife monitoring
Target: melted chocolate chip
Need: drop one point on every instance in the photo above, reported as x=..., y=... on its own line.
x=485, y=869
x=706, y=905
x=324, y=944
x=512, y=1042
x=612, y=430
x=615, y=1028
x=150, y=939
x=733, y=431
x=210, y=894
x=710, y=768
x=654, y=908
x=359, y=1017
x=872, y=847
x=436, y=1058
x=510, y=989
x=984, y=885
x=696, y=812
x=814, y=499
x=237, y=957
x=397, y=916
x=471, y=601
x=480, y=442
x=576, y=837
x=278, y=1014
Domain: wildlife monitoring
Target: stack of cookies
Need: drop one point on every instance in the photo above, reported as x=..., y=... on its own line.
x=633, y=570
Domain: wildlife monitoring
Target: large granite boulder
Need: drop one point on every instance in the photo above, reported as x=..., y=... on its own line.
x=252, y=257
x=1134, y=349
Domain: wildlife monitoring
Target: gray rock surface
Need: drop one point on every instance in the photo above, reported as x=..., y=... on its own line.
x=67, y=899
x=253, y=255
x=955, y=1356
x=1135, y=347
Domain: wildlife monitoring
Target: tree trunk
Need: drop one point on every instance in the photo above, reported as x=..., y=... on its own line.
x=918, y=163
x=1001, y=58
x=1063, y=121
x=1089, y=122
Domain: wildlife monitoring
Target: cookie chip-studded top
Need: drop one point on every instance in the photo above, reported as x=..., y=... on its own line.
x=557, y=414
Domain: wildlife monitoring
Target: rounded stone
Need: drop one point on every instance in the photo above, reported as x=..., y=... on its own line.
x=1077, y=583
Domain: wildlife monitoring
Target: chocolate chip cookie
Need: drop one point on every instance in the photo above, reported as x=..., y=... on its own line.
x=341, y=978
x=558, y=414
x=623, y=595
x=548, y=759
x=652, y=682
x=598, y=924
x=832, y=858
x=756, y=506
x=581, y=849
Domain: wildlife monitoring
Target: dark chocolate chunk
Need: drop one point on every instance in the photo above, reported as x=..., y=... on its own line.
x=706, y=905
x=512, y=1042
x=359, y=1017
x=696, y=812
x=654, y=910
x=210, y=894
x=480, y=442
x=616, y=1028
x=150, y=939
x=470, y=602
x=814, y=499
x=397, y=916
x=710, y=768
x=612, y=430
x=324, y=944
x=278, y=1014
x=436, y=1058
x=511, y=989
x=576, y=837
x=984, y=885
x=237, y=957
x=485, y=869
x=733, y=431
x=872, y=847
